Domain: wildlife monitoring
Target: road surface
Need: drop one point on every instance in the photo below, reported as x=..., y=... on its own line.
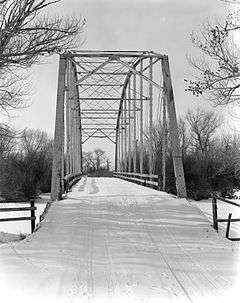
x=114, y=241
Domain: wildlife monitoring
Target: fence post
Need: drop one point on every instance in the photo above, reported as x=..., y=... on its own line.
x=33, y=218
x=228, y=225
x=214, y=212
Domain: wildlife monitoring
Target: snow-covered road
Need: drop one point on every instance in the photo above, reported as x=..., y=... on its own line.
x=114, y=241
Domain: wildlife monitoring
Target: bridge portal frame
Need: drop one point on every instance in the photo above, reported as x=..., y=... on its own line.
x=70, y=134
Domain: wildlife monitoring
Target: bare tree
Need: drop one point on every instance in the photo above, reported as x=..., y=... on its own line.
x=203, y=125
x=26, y=170
x=94, y=161
x=99, y=156
x=218, y=66
x=32, y=140
x=25, y=36
x=88, y=161
x=7, y=140
x=183, y=135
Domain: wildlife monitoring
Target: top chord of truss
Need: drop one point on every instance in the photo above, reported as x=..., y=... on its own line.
x=137, y=54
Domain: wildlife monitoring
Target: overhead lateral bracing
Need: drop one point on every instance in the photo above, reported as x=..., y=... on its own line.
x=121, y=96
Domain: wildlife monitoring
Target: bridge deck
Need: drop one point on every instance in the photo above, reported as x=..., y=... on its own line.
x=114, y=241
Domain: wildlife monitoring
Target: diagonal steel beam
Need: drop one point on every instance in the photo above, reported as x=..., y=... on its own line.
x=134, y=71
x=108, y=136
x=90, y=136
x=94, y=71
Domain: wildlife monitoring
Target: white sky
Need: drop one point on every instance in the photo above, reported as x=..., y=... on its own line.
x=160, y=25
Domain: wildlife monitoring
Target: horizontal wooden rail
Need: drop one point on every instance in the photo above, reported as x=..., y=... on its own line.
x=18, y=219
x=17, y=209
x=142, y=179
x=228, y=220
x=14, y=201
x=227, y=201
x=32, y=209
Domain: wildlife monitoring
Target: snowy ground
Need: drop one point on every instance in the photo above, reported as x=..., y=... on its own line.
x=114, y=241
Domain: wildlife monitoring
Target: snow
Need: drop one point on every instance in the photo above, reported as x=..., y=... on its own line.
x=114, y=241
x=8, y=237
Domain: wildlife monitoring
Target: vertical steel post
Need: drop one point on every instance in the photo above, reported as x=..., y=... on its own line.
x=74, y=132
x=67, y=121
x=116, y=151
x=119, y=144
x=150, y=118
x=119, y=149
x=141, y=118
x=134, y=126
x=71, y=131
x=173, y=129
x=58, y=147
x=129, y=128
x=73, y=97
x=164, y=145
x=122, y=142
x=125, y=134
x=78, y=122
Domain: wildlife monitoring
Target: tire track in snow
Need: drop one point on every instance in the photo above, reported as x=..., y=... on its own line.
x=90, y=280
x=109, y=267
x=138, y=212
x=94, y=187
x=83, y=185
x=141, y=248
x=169, y=267
x=62, y=290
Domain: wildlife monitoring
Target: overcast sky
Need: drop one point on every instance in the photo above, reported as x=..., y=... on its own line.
x=160, y=25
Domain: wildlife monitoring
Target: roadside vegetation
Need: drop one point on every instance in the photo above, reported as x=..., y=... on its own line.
x=25, y=164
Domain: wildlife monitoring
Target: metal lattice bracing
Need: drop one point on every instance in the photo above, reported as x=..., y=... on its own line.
x=118, y=95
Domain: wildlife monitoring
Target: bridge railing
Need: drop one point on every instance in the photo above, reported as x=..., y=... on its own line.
x=152, y=181
x=70, y=180
x=229, y=220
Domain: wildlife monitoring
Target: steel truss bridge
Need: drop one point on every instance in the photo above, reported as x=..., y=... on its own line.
x=122, y=96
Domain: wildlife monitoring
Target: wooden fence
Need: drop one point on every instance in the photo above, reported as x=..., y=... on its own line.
x=229, y=220
x=31, y=208
x=152, y=181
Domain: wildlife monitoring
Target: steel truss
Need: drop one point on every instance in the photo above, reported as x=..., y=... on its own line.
x=121, y=96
